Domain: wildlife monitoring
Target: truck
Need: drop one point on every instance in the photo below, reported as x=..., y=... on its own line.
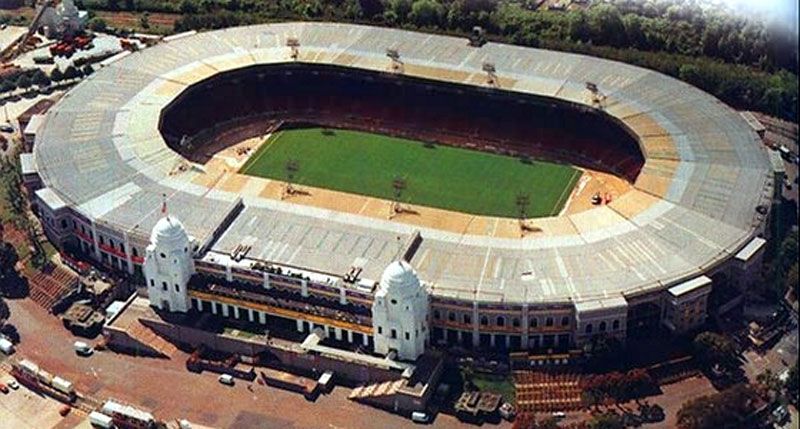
x=100, y=420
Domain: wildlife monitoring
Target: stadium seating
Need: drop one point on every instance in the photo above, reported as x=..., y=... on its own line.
x=502, y=122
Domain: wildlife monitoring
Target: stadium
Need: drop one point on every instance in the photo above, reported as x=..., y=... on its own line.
x=494, y=146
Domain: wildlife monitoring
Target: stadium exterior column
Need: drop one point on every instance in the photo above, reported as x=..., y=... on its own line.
x=491, y=340
x=304, y=288
x=366, y=339
x=523, y=340
x=250, y=315
x=225, y=310
x=128, y=252
x=508, y=342
x=342, y=295
x=97, y=255
x=236, y=312
x=475, y=325
x=337, y=332
x=213, y=307
x=349, y=336
x=459, y=337
x=266, y=281
x=300, y=324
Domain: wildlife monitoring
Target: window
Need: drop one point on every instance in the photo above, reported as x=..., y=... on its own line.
x=534, y=322
x=135, y=252
x=467, y=319
x=615, y=325
x=163, y=285
x=394, y=302
x=603, y=326
x=565, y=321
x=163, y=256
x=74, y=225
x=501, y=321
x=111, y=243
x=177, y=288
x=436, y=314
x=408, y=336
x=589, y=328
x=152, y=283
x=380, y=330
x=515, y=322
x=451, y=317
x=102, y=241
x=484, y=321
x=549, y=321
x=394, y=333
x=63, y=224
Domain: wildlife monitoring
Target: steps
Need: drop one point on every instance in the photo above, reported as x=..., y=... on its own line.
x=147, y=336
x=376, y=390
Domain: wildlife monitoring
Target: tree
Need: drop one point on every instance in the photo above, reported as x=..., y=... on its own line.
x=606, y=421
x=425, y=13
x=8, y=260
x=56, y=75
x=24, y=81
x=7, y=85
x=71, y=73
x=87, y=69
x=728, y=408
x=792, y=383
x=715, y=350
x=98, y=25
x=40, y=78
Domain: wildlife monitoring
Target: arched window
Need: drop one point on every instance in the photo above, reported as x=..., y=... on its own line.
x=163, y=285
x=589, y=328
x=565, y=321
x=451, y=317
x=534, y=322
x=603, y=326
x=501, y=321
x=615, y=325
x=394, y=333
x=177, y=288
x=467, y=319
x=549, y=321
x=436, y=314
x=484, y=320
x=515, y=322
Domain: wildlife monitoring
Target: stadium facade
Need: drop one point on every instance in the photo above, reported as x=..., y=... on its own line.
x=694, y=219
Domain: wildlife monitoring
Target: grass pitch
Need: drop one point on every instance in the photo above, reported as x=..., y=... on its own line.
x=440, y=176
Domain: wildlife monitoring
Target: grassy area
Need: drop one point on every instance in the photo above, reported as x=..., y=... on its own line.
x=499, y=384
x=439, y=176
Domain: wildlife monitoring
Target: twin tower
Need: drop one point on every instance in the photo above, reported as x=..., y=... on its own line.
x=399, y=308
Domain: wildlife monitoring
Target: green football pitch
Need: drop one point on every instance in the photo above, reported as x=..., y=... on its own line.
x=439, y=176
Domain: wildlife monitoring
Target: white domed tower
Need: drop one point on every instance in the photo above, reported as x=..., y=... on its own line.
x=400, y=313
x=168, y=266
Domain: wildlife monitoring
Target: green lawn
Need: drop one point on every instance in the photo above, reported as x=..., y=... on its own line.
x=441, y=176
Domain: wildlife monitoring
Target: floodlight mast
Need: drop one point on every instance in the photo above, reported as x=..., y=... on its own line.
x=394, y=56
x=596, y=97
x=491, y=75
x=294, y=45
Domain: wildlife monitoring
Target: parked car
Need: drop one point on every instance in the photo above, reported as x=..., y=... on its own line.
x=419, y=417
x=82, y=348
x=6, y=128
x=13, y=384
x=226, y=379
x=3, y=388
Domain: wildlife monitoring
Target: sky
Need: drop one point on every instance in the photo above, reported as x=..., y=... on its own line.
x=782, y=12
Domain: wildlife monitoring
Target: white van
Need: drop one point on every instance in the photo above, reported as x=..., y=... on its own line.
x=6, y=346
x=226, y=379
x=419, y=417
x=82, y=348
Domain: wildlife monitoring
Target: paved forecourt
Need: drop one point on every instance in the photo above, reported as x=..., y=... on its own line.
x=692, y=207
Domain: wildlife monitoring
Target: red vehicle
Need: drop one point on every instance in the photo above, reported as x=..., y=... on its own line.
x=3, y=388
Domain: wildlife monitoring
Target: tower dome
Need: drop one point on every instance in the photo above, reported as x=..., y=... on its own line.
x=169, y=231
x=399, y=278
